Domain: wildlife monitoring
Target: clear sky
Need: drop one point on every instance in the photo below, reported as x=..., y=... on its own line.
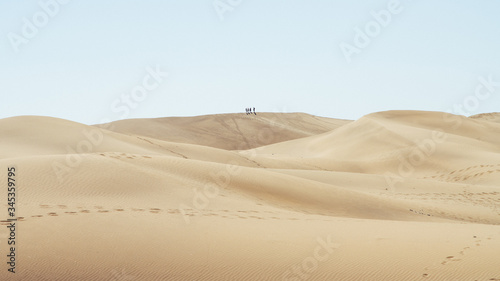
x=91, y=61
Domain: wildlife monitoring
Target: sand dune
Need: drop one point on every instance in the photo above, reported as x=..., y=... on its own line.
x=397, y=195
x=229, y=131
x=492, y=117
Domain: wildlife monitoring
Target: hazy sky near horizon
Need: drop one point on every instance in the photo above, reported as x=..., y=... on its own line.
x=93, y=61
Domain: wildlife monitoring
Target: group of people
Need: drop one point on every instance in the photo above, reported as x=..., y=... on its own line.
x=249, y=110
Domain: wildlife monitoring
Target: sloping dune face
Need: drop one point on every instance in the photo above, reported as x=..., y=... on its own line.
x=492, y=117
x=397, y=195
x=229, y=131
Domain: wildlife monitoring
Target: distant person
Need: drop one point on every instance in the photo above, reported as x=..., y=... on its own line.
x=253, y=111
x=246, y=109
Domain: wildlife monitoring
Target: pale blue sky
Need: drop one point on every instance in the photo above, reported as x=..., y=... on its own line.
x=280, y=56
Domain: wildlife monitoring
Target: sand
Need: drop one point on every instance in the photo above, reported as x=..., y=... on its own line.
x=396, y=195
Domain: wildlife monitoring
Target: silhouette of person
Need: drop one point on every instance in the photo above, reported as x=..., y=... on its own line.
x=254, y=111
x=246, y=109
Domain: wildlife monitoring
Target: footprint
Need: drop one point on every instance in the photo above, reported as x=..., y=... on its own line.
x=53, y=214
x=255, y=217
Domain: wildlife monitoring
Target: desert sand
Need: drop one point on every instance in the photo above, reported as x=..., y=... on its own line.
x=395, y=195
